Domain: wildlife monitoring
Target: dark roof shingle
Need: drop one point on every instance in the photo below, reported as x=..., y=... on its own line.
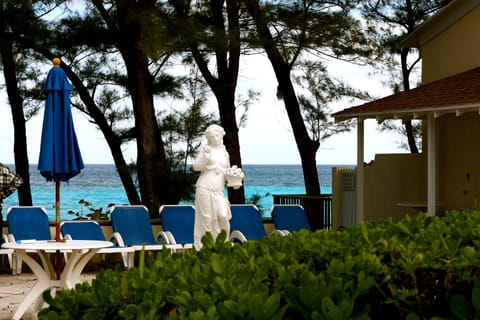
x=459, y=91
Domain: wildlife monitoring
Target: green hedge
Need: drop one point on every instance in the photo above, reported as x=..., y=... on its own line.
x=419, y=268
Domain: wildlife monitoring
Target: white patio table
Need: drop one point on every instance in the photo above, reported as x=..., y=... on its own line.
x=80, y=252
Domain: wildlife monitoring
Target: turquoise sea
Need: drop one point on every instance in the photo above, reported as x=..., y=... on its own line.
x=100, y=185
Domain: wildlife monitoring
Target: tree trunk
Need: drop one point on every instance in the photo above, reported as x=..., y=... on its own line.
x=151, y=159
x=20, y=137
x=306, y=146
x=227, y=54
x=406, y=86
x=410, y=137
x=232, y=143
x=112, y=140
x=146, y=133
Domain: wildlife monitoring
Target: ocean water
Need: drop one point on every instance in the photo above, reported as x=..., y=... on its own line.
x=100, y=185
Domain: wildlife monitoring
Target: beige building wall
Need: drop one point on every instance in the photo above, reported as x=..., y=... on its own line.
x=458, y=161
x=454, y=50
x=402, y=178
x=393, y=180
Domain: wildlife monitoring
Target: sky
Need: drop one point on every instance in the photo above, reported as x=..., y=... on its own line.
x=267, y=137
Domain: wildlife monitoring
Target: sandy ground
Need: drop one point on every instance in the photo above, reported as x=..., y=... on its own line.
x=12, y=291
x=14, y=288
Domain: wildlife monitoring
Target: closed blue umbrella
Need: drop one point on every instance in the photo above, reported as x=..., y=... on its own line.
x=60, y=158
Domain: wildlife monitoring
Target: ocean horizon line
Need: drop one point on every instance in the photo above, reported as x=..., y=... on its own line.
x=100, y=185
x=245, y=164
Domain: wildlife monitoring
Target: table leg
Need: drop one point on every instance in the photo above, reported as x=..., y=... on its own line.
x=47, y=264
x=72, y=271
x=43, y=283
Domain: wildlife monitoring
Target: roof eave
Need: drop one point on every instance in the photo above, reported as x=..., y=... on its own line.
x=437, y=23
x=411, y=114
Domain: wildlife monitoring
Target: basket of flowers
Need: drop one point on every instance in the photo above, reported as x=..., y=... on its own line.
x=234, y=176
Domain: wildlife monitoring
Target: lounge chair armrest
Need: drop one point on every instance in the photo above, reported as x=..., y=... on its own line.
x=171, y=237
x=117, y=239
x=279, y=232
x=10, y=238
x=165, y=237
x=237, y=235
x=162, y=237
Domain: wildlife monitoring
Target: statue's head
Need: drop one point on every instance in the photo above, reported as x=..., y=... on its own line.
x=214, y=134
x=214, y=129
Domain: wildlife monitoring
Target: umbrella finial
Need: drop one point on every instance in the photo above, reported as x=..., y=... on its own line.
x=56, y=62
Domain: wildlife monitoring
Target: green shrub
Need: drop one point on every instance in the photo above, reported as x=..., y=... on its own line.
x=419, y=268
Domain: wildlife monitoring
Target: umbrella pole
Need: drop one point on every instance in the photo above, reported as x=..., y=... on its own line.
x=57, y=227
x=57, y=210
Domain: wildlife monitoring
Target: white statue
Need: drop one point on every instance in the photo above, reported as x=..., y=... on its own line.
x=212, y=209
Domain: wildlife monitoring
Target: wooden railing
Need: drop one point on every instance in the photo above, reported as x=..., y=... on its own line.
x=317, y=208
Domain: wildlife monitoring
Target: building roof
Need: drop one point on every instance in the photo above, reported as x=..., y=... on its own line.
x=457, y=94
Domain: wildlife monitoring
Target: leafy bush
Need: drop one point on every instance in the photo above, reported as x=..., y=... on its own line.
x=419, y=268
x=92, y=214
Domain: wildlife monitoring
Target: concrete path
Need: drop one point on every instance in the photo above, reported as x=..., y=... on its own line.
x=12, y=291
x=14, y=288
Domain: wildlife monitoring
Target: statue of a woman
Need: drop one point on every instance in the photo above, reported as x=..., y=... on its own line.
x=212, y=209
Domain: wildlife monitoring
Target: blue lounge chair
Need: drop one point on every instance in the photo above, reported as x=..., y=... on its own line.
x=289, y=218
x=246, y=223
x=177, y=222
x=26, y=223
x=132, y=228
x=91, y=230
